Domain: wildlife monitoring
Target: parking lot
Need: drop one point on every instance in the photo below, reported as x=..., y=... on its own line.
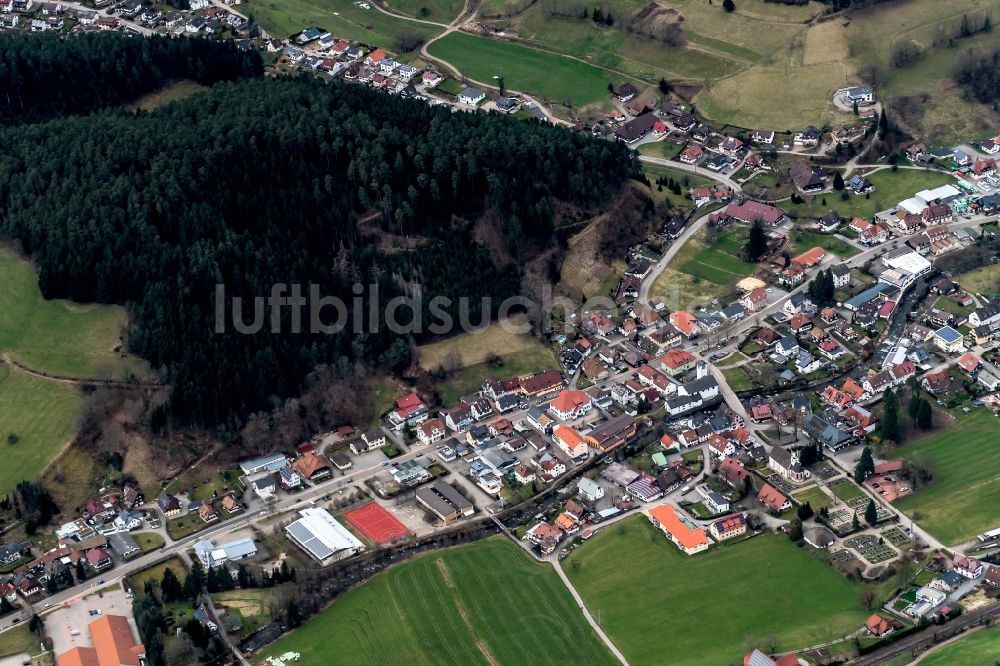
x=67, y=626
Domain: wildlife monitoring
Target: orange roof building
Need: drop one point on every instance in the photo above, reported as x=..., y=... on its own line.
x=690, y=540
x=570, y=442
x=570, y=404
x=311, y=466
x=878, y=625
x=114, y=645
x=810, y=257
x=685, y=322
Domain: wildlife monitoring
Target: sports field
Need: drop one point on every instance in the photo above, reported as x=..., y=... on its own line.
x=555, y=78
x=484, y=603
x=36, y=422
x=962, y=500
x=376, y=523
x=980, y=647
x=59, y=337
x=704, y=609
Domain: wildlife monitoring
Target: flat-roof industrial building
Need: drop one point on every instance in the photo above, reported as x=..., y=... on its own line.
x=444, y=501
x=322, y=537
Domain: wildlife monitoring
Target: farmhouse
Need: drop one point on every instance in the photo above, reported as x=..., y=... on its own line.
x=636, y=128
x=750, y=211
x=806, y=177
x=611, y=433
x=689, y=539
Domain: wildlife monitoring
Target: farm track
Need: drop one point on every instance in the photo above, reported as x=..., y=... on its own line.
x=77, y=381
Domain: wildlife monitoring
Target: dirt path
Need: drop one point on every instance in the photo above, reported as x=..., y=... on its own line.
x=78, y=381
x=480, y=644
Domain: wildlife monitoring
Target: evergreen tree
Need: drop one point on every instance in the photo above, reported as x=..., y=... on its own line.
x=883, y=124
x=81, y=571
x=293, y=615
x=794, y=530
x=243, y=577
x=871, y=513
x=756, y=244
x=728, y=5
x=805, y=511
x=890, y=417
x=838, y=181
x=170, y=586
x=925, y=415
x=194, y=581
x=865, y=466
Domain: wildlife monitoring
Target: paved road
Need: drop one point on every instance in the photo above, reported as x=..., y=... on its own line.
x=661, y=265
x=690, y=168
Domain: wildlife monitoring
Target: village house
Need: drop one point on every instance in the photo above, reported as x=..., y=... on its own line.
x=728, y=527
x=773, y=500
x=431, y=431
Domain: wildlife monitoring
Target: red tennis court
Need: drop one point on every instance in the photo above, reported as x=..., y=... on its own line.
x=376, y=523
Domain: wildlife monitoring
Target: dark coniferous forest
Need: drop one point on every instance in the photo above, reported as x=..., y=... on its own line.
x=263, y=181
x=44, y=76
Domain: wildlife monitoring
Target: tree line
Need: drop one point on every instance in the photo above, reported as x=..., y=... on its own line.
x=45, y=76
x=282, y=181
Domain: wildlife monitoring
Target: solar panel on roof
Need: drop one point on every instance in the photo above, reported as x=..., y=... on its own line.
x=309, y=541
